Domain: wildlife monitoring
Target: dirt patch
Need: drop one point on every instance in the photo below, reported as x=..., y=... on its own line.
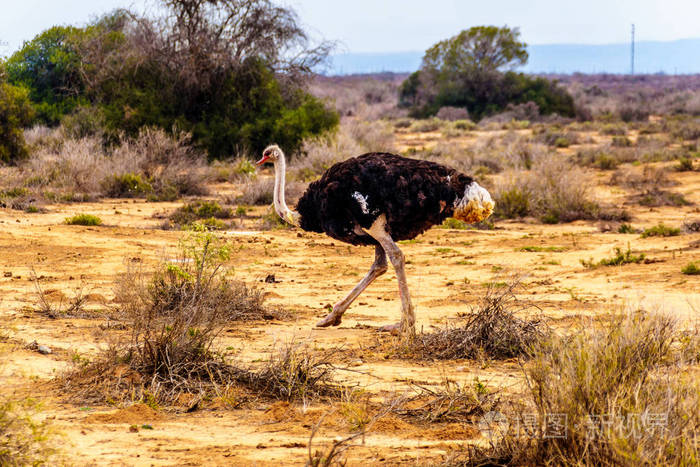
x=135, y=414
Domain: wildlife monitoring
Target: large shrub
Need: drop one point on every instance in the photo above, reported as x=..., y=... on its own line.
x=230, y=72
x=473, y=70
x=15, y=114
x=49, y=66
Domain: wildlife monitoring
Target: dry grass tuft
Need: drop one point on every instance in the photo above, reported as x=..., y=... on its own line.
x=554, y=190
x=492, y=331
x=620, y=395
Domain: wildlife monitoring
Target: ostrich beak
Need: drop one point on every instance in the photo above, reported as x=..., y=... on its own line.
x=263, y=160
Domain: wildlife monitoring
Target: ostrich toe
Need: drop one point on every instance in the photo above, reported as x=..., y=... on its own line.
x=394, y=329
x=331, y=319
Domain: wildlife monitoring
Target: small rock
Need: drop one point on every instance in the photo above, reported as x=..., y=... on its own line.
x=270, y=279
x=7, y=274
x=44, y=350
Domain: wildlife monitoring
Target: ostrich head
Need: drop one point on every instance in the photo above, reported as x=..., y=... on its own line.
x=475, y=206
x=271, y=153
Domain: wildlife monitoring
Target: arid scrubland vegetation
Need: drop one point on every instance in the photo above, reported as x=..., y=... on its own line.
x=156, y=310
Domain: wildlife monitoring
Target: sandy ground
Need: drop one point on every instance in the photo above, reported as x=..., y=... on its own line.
x=447, y=272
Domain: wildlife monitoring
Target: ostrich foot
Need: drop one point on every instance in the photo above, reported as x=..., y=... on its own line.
x=332, y=319
x=394, y=329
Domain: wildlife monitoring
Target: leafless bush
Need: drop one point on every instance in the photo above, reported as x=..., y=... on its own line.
x=452, y=113
x=364, y=97
x=74, y=307
x=294, y=372
x=529, y=111
x=452, y=402
x=648, y=183
x=493, y=330
x=691, y=226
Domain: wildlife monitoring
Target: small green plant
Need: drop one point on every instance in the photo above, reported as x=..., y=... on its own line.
x=452, y=223
x=539, y=249
x=625, y=229
x=562, y=142
x=685, y=164
x=83, y=219
x=620, y=258
x=212, y=223
x=128, y=185
x=621, y=141
x=513, y=203
x=23, y=441
x=208, y=211
x=661, y=230
x=691, y=269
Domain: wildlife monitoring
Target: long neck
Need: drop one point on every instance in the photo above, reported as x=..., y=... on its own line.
x=278, y=195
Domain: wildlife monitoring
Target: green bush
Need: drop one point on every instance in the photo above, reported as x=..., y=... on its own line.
x=84, y=219
x=661, y=230
x=102, y=79
x=469, y=71
x=206, y=211
x=127, y=185
x=620, y=258
x=15, y=114
x=691, y=269
x=50, y=67
x=513, y=203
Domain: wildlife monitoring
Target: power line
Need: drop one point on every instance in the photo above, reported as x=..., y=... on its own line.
x=632, y=52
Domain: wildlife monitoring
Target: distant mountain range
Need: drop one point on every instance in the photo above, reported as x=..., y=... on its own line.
x=674, y=57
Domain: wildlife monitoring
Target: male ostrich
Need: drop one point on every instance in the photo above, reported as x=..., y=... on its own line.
x=378, y=199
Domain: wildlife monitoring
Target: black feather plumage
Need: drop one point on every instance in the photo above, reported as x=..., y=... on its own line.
x=414, y=195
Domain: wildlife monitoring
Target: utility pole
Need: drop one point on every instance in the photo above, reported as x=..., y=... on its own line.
x=632, y=53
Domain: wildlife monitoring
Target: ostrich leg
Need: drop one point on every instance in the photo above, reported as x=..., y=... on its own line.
x=378, y=268
x=408, y=318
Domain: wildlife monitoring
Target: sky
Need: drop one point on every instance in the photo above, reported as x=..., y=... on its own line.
x=411, y=25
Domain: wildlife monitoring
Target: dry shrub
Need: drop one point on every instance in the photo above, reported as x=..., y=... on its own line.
x=452, y=113
x=236, y=170
x=23, y=441
x=648, y=184
x=366, y=97
x=354, y=138
x=691, y=225
x=153, y=164
x=174, y=317
x=604, y=157
x=169, y=164
x=450, y=403
x=294, y=372
x=554, y=190
x=493, y=330
x=622, y=395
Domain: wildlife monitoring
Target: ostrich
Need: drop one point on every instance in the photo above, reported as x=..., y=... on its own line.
x=378, y=199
